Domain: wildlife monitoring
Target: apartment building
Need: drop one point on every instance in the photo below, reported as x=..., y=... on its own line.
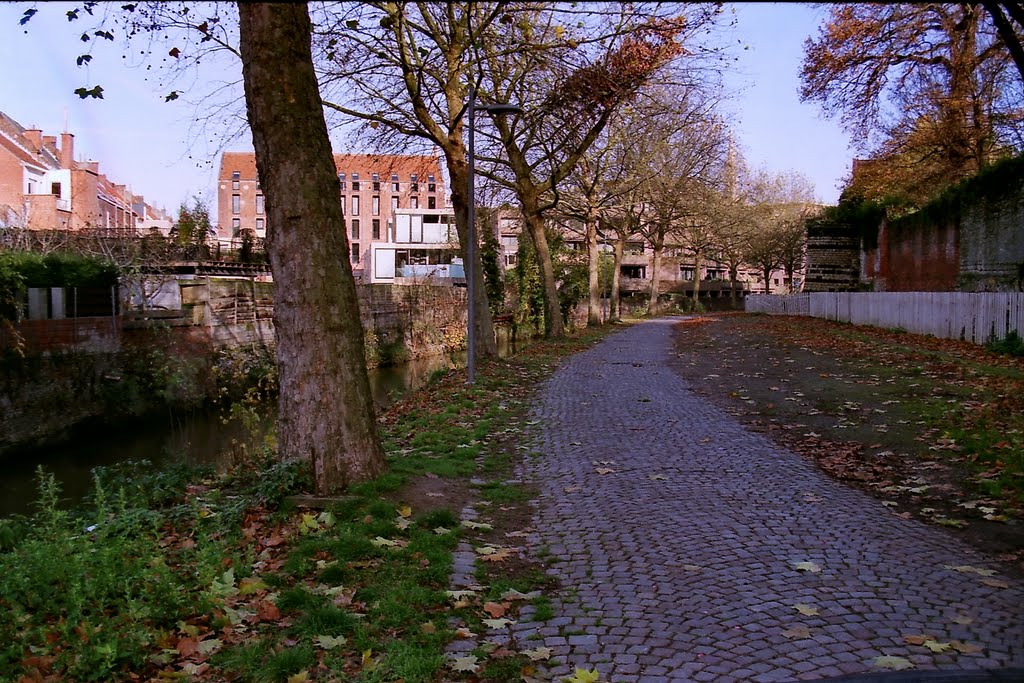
x=374, y=187
x=43, y=187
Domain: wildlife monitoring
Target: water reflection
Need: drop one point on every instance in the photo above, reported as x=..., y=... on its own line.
x=197, y=437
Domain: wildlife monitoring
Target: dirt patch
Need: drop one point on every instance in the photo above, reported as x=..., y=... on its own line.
x=429, y=492
x=907, y=418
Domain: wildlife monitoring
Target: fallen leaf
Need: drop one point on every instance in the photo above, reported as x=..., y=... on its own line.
x=584, y=676
x=251, y=585
x=605, y=470
x=428, y=627
x=267, y=611
x=367, y=660
x=917, y=639
x=300, y=677
x=330, y=642
x=460, y=595
x=513, y=594
x=657, y=477
x=496, y=623
x=496, y=609
x=572, y=489
x=806, y=567
x=208, y=647
x=188, y=646
x=467, y=664
x=405, y=511
x=482, y=526
x=463, y=632
x=381, y=542
x=936, y=646
x=797, y=632
x=539, y=654
x=806, y=610
x=967, y=569
x=962, y=619
x=402, y=523
x=995, y=583
x=894, y=663
x=441, y=531
x=965, y=648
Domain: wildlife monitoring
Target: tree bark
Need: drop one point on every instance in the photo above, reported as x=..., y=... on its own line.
x=553, y=327
x=698, y=261
x=593, y=279
x=326, y=409
x=458, y=172
x=655, y=277
x=616, y=303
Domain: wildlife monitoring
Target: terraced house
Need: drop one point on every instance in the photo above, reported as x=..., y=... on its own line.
x=43, y=187
x=375, y=190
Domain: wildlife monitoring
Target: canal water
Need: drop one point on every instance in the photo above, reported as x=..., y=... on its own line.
x=199, y=437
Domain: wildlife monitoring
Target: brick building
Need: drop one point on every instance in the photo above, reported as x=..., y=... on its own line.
x=43, y=187
x=373, y=187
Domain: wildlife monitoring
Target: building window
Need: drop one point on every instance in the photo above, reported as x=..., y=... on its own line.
x=55, y=188
x=431, y=202
x=394, y=203
x=394, y=182
x=431, y=185
x=510, y=259
x=713, y=274
x=235, y=178
x=375, y=206
x=355, y=253
x=341, y=179
x=236, y=203
x=375, y=229
x=355, y=203
x=355, y=228
x=413, y=185
x=355, y=182
x=376, y=182
x=686, y=273
x=414, y=202
x=260, y=225
x=236, y=225
x=259, y=204
x=634, y=272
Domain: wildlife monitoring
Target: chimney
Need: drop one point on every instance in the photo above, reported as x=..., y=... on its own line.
x=35, y=136
x=50, y=141
x=91, y=166
x=67, y=150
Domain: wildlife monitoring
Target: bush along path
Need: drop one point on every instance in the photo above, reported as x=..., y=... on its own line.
x=190, y=575
x=687, y=547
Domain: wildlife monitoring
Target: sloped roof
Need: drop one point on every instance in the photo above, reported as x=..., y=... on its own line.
x=12, y=138
x=363, y=164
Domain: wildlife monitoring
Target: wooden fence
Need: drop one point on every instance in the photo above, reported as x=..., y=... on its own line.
x=971, y=316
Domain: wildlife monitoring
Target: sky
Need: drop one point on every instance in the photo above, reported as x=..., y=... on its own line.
x=156, y=148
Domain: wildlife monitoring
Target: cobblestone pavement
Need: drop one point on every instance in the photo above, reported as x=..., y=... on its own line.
x=682, y=561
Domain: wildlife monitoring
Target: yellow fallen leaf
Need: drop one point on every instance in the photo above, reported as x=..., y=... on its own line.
x=405, y=511
x=936, y=646
x=584, y=676
x=806, y=567
x=539, y=654
x=467, y=664
x=806, y=610
x=300, y=677
x=797, y=632
x=368, y=663
x=894, y=663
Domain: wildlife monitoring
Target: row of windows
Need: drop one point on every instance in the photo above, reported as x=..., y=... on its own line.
x=414, y=203
x=414, y=185
x=374, y=229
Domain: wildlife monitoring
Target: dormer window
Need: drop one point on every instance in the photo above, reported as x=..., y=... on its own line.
x=355, y=182
x=236, y=177
x=394, y=182
x=431, y=185
x=376, y=182
x=341, y=179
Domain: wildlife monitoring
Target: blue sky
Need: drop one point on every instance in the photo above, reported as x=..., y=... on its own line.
x=155, y=147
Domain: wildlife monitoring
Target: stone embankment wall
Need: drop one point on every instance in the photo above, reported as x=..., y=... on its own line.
x=971, y=239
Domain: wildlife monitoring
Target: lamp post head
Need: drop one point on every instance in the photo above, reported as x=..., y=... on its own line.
x=500, y=108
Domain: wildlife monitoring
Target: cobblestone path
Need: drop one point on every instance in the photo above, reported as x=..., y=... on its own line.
x=683, y=562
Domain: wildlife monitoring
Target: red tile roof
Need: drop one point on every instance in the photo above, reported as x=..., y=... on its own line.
x=363, y=164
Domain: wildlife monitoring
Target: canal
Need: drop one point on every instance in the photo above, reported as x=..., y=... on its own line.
x=199, y=437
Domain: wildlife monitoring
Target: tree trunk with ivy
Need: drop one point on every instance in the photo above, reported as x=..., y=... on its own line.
x=326, y=409
x=593, y=274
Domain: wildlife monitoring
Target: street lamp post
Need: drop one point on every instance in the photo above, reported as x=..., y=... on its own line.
x=498, y=108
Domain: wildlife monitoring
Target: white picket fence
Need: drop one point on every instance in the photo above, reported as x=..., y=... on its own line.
x=972, y=316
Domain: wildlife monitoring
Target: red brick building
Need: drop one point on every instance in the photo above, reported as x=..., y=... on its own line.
x=43, y=187
x=372, y=187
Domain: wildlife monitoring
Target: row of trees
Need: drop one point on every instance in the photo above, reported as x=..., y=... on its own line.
x=583, y=73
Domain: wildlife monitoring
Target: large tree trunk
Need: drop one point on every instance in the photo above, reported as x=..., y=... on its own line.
x=593, y=279
x=734, y=277
x=553, y=327
x=652, y=307
x=326, y=409
x=458, y=172
x=616, y=304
